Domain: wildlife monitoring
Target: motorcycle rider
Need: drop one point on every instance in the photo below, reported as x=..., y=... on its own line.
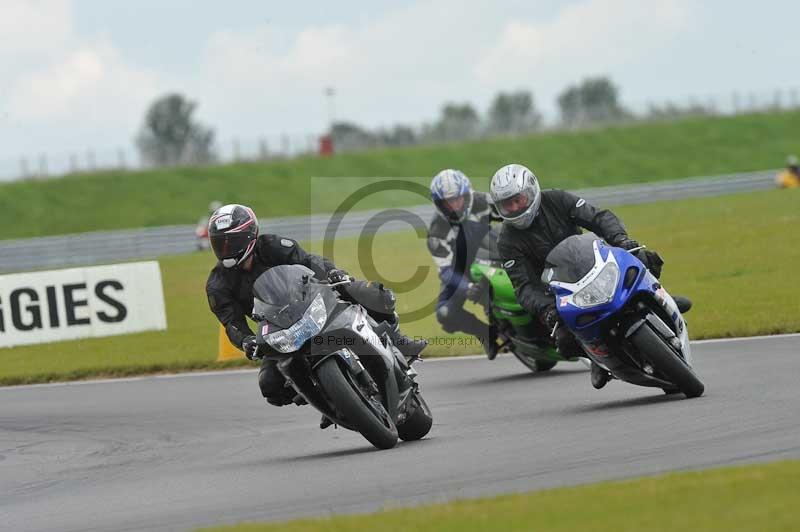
x=789, y=177
x=534, y=222
x=243, y=255
x=462, y=218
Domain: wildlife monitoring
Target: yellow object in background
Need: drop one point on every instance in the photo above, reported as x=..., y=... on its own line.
x=787, y=179
x=226, y=351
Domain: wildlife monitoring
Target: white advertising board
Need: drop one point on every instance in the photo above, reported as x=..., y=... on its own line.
x=51, y=306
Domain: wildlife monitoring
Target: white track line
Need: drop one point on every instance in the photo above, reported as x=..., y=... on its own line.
x=216, y=373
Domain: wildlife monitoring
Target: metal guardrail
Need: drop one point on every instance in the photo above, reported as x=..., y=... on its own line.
x=114, y=246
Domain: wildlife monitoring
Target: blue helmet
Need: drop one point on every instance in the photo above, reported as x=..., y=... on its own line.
x=451, y=192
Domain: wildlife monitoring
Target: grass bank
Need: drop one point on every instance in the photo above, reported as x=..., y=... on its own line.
x=607, y=156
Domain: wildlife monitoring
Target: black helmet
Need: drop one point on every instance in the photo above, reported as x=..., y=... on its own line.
x=233, y=230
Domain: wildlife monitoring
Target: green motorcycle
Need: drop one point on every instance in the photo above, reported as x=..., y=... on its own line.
x=519, y=332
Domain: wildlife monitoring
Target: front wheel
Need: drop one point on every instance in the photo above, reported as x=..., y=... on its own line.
x=366, y=414
x=652, y=347
x=418, y=424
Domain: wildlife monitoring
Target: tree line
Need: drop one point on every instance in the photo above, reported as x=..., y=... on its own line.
x=170, y=134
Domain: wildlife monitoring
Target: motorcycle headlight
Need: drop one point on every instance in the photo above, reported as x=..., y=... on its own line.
x=293, y=338
x=600, y=290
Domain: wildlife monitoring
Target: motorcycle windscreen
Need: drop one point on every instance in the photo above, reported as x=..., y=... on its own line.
x=570, y=260
x=283, y=293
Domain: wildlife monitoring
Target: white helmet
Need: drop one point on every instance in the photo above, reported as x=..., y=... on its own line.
x=516, y=194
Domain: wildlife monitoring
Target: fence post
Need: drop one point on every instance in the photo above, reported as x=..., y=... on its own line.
x=752, y=103
x=42, y=165
x=236, y=151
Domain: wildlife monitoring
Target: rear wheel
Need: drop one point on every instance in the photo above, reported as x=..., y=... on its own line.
x=545, y=365
x=652, y=347
x=418, y=424
x=366, y=414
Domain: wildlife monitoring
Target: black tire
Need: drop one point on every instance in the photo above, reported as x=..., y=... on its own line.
x=356, y=408
x=536, y=365
x=545, y=365
x=652, y=347
x=418, y=424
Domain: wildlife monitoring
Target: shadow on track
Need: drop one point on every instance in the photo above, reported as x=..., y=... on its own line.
x=517, y=377
x=327, y=455
x=628, y=403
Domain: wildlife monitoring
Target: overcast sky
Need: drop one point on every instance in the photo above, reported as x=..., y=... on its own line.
x=77, y=74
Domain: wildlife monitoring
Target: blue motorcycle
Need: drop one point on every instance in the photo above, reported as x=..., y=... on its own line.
x=623, y=318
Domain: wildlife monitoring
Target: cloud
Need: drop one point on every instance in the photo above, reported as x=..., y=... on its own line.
x=592, y=36
x=34, y=25
x=399, y=66
x=66, y=89
x=90, y=82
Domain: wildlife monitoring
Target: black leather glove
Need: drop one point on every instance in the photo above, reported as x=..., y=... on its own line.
x=250, y=348
x=474, y=292
x=651, y=260
x=550, y=317
x=628, y=244
x=338, y=276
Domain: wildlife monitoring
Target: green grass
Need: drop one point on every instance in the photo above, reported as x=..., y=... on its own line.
x=756, y=497
x=733, y=255
x=644, y=152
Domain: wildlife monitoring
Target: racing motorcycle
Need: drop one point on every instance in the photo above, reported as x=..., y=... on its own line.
x=623, y=318
x=520, y=333
x=337, y=358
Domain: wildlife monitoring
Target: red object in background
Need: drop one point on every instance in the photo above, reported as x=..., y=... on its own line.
x=325, y=145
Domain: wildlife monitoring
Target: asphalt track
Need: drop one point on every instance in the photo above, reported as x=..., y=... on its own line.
x=178, y=452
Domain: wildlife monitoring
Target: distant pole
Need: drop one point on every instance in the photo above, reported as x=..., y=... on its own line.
x=236, y=150
x=752, y=103
x=23, y=167
x=42, y=165
x=91, y=163
x=73, y=163
x=712, y=105
x=263, y=152
x=330, y=95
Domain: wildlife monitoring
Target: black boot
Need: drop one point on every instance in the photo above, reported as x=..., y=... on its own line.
x=600, y=377
x=325, y=422
x=490, y=343
x=684, y=303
